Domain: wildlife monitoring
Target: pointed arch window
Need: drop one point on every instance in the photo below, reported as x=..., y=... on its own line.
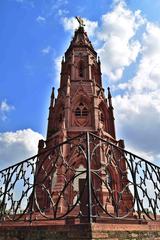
x=102, y=117
x=81, y=69
x=81, y=110
x=78, y=112
x=93, y=71
x=69, y=69
x=84, y=111
x=60, y=117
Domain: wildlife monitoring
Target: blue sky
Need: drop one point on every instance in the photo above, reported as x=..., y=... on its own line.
x=33, y=38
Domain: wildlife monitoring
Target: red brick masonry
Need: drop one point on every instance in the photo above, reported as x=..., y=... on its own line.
x=47, y=231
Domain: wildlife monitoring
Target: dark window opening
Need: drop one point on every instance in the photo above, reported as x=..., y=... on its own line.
x=81, y=111
x=81, y=69
x=93, y=70
x=78, y=111
x=84, y=111
x=60, y=118
x=101, y=117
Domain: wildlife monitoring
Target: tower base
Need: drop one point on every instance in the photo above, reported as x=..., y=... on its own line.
x=96, y=231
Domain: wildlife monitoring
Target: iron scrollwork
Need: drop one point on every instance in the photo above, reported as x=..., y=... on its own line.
x=86, y=178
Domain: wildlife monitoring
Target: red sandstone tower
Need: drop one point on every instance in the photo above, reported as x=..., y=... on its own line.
x=81, y=106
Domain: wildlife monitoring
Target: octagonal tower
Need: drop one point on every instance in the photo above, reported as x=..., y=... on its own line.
x=81, y=106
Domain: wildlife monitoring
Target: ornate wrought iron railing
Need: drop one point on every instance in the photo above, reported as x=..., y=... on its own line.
x=85, y=178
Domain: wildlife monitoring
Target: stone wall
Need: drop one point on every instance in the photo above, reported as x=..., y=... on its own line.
x=80, y=232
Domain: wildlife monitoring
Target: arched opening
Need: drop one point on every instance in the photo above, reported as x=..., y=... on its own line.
x=81, y=69
x=78, y=112
x=84, y=111
x=81, y=110
x=69, y=69
x=60, y=117
x=101, y=117
x=93, y=71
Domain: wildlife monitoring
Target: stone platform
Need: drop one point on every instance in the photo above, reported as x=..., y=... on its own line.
x=95, y=231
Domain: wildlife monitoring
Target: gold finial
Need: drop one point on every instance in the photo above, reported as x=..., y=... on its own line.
x=81, y=21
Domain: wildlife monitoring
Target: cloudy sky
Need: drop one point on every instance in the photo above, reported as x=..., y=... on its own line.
x=33, y=38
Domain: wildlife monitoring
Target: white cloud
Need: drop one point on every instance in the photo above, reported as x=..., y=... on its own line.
x=57, y=4
x=138, y=120
x=62, y=12
x=56, y=8
x=118, y=48
x=117, y=32
x=147, y=155
x=147, y=77
x=4, y=106
x=4, y=109
x=70, y=24
x=124, y=38
x=41, y=19
x=117, y=1
x=46, y=50
x=57, y=67
x=17, y=146
x=138, y=110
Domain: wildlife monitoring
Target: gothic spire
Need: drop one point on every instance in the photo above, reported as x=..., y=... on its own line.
x=109, y=97
x=80, y=38
x=52, y=98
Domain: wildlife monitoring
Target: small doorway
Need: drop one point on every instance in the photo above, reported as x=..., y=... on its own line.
x=83, y=191
x=84, y=200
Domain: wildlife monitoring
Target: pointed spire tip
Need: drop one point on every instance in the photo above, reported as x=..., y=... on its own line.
x=52, y=94
x=62, y=59
x=109, y=93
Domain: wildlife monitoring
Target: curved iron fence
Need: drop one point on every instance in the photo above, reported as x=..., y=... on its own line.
x=85, y=178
